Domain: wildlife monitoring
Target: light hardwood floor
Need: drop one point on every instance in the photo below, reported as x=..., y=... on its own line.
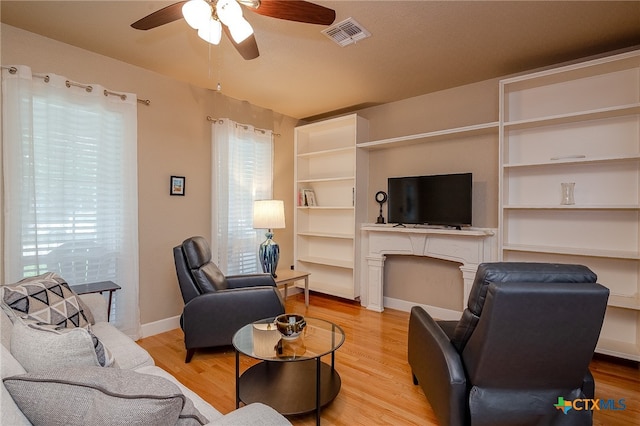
x=376, y=379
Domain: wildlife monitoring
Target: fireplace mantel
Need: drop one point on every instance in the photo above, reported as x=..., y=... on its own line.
x=469, y=247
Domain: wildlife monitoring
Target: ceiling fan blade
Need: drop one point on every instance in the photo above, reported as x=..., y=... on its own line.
x=296, y=10
x=248, y=48
x=160, y=17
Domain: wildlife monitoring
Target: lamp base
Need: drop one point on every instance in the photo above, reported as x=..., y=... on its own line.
x=269, y=255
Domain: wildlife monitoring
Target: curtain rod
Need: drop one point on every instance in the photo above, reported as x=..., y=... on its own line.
x=244, y=126
x=89, y=89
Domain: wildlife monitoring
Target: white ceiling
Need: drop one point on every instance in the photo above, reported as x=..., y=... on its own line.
x=416, y=47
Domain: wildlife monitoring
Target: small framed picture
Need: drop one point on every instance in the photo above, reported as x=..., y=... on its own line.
x=310, y=198
x=177, y=185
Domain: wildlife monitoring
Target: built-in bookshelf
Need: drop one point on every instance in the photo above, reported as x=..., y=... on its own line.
x=577, y=124
x=330, y=186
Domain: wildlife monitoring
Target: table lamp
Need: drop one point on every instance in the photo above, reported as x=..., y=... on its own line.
x=269, y=214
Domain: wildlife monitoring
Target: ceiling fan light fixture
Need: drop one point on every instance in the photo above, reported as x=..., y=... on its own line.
x=197, y=13
x=240, y=30
x=212, y=32
x=229, y=12
x=206, y=16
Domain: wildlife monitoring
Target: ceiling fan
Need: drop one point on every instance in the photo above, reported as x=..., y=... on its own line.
x=212, y=17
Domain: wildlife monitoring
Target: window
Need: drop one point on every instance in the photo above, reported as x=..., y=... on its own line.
x=70, y=175
x=242, y=173
x=76, y=186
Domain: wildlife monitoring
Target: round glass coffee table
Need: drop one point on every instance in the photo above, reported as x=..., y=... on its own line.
x=292, y=378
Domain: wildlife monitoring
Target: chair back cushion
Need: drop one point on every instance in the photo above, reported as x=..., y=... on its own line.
x=532, y=345
x=512, y=272
x=205, y=273
x=188, y=287
x=535, y=335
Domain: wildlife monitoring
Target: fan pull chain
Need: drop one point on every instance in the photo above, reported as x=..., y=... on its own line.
x=219, y=85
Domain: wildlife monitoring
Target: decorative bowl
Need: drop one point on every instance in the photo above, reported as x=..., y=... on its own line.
x=290, y=325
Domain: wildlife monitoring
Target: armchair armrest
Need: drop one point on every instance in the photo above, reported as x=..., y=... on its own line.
x=251, y=280
x=437, y=367
x=212, y=319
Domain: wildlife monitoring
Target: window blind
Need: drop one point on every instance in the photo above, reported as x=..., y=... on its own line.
x=243, y=165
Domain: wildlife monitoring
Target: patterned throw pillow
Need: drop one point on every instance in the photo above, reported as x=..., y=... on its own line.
x=47, y=303
x=46, y=299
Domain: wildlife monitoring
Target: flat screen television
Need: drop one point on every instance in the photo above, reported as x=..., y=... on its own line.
x=431, y=200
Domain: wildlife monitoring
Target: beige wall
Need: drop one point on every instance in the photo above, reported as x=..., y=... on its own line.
x=424, y=280
x=173, y=139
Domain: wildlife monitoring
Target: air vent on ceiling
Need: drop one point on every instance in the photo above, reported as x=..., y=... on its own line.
x=346, y=32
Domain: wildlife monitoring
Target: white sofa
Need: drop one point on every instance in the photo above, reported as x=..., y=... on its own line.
x=132, y=366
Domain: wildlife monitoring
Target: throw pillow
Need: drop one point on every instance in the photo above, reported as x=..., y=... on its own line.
x=38, y=348
x=47, y=303
x=98, y=396
x=46, y=298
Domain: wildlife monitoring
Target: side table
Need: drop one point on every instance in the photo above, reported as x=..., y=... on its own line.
x=97, y=287
x=288, y=276
x=290, y=377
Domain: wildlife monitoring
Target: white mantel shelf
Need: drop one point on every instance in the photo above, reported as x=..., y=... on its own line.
x=469, y=247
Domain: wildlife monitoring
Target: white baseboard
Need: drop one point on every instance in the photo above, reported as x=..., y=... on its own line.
x=434, y=311
x=160, y=326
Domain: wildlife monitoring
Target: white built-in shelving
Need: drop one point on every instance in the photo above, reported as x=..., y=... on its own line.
x=437, y=135
x=326, y=236
x=578, y=123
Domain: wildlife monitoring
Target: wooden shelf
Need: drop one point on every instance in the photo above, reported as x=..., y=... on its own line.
x=347, y=264
x=572, y=207
x=326, y=152
x=325, y=207
x=326, y=179
x=618, y=349
x=577, y=161
x=329, y=287
x=616, y=254
x=625, y=302
x=466, y=131
x=579, y=70
x=574, y=117
x=325, y=235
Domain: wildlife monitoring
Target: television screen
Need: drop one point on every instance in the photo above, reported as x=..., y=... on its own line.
x=431, y=200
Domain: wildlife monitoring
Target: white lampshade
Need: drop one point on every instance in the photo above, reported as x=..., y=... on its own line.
x=211, y=32
x=268, y=214
x=197, y=13
x=240, y=30
x=228, y=11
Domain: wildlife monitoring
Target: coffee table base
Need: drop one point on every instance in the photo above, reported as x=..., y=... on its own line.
x=289, y=387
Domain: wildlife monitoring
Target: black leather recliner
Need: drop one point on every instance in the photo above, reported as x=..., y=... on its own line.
x=215, y=306
x=526, y=339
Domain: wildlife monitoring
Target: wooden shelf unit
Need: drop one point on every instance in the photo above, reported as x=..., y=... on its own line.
x=326, y=236
x=578, y=123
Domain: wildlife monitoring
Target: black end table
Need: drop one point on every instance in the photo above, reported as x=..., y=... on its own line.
x=291, y=377
x=97, y=287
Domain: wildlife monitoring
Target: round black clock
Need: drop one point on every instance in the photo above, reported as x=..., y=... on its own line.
x=381, y=198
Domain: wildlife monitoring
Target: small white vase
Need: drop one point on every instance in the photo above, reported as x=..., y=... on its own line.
x=567, y=193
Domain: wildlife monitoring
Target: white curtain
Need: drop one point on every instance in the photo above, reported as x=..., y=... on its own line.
x=242, y=171
x=70, y=185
